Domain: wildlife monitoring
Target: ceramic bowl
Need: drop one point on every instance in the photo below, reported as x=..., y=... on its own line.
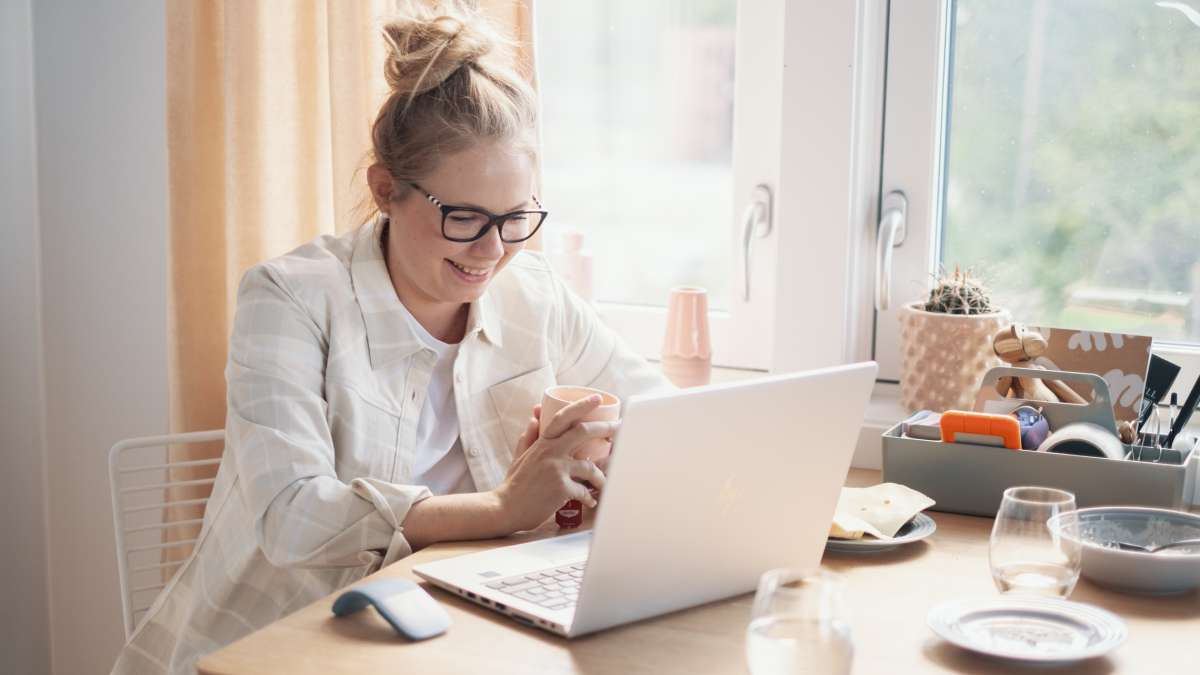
x=1104, y=563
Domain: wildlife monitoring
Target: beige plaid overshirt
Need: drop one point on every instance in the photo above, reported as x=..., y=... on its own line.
x=325, y=384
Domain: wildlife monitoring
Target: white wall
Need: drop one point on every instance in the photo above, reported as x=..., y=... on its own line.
x=102, y=177
x=24, y=624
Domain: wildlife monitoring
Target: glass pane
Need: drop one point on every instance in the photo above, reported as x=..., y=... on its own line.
x=1073, y=177
x=637, y=132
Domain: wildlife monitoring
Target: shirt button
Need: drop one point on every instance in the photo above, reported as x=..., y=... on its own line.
x=458, y=378
x=473, y=452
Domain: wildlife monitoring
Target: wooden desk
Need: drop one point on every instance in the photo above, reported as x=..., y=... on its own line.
x=889, y=595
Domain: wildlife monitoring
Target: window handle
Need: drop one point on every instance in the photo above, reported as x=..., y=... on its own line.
x=893, y=220
x=756, y=224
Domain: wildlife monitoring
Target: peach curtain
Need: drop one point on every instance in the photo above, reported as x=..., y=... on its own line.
x=269, y=108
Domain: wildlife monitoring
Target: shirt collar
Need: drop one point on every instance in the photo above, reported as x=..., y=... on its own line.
x=389, y=335
x=484, y=317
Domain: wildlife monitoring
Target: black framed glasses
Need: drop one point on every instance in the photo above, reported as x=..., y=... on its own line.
x=466, y=223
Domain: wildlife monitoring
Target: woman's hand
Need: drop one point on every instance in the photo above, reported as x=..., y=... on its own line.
x=543, y=474
x=527, y=438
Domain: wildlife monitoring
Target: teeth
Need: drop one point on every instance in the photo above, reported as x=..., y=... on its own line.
x=474, y=271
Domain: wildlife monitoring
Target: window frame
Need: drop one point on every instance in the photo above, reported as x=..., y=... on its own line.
x=819, y=261
x=735, y=343
x=810, y=276
x=920, y=43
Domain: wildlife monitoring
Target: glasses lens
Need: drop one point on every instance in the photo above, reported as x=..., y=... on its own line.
x=519, y=226
x=463, y=224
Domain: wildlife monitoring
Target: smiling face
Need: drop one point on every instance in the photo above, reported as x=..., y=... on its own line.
x=436, y=278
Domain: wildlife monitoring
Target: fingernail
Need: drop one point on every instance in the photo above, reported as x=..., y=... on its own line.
x=594, y=398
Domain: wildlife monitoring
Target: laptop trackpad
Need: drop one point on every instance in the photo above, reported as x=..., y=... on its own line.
x=533, y=556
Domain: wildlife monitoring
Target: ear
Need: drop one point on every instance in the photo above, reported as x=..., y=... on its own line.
x=383, y=187
x=1032, y=343
x=1006, y=342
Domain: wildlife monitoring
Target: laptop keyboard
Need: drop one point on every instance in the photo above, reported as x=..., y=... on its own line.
x=555, y=588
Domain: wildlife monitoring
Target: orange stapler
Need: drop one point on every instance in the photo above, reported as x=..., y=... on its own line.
x=1004, y=427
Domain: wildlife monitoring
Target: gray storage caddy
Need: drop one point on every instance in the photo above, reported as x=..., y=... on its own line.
x=971, y=479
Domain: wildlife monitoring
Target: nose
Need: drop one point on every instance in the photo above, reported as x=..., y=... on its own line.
x=489, y=246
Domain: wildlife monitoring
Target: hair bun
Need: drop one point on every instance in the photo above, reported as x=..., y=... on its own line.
x=426, y=51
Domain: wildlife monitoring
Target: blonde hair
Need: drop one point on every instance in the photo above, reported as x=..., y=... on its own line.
x=451, y=86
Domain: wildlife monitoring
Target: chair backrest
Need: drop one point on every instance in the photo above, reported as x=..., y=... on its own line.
x=158, y=507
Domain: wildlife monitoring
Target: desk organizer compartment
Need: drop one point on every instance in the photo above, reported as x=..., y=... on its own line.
x=971, y=479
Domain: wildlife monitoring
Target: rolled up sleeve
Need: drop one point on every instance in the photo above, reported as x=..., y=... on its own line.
x=279, y=440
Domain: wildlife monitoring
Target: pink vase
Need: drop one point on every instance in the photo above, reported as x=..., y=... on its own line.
x=687, y=349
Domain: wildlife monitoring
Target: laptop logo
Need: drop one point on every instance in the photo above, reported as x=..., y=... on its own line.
x=729, y=495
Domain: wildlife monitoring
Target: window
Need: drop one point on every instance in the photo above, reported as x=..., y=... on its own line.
x=638, y=127
x=760, y=186
x=638, y=140
x=1054, y=147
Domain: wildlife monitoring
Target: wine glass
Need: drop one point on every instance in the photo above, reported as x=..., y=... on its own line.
x=1024, y=554
x=799, y=625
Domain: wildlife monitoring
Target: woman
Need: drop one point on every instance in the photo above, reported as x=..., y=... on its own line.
x=380, y=383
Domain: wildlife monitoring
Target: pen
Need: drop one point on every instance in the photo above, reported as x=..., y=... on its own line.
x=1160, y=375
x=1186, y=414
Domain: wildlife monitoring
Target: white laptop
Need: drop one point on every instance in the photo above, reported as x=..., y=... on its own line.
x=707, y=488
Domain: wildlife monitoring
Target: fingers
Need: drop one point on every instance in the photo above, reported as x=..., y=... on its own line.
x=528, y=437
x=580, y=434
x=579, y=491
x=524, y=443
x=582, y=469
x=571, y=414
x=531, y=431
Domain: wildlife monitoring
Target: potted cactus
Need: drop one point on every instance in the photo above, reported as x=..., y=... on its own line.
x=946, y=343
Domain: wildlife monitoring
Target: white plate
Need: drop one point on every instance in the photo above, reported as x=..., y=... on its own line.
x=916, y=529
x=1028, y=628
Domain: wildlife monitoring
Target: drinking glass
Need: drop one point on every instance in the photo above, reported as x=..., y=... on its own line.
x=799, y=625
x=1025, y=555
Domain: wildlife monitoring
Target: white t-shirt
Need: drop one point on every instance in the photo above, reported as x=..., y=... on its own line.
x=440, y=463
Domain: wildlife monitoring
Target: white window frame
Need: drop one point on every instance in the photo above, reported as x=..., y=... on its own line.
x=913, y=156
x=918, y=61
x=808, y=97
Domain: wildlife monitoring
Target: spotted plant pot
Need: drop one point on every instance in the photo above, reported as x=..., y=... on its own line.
x=943, y=357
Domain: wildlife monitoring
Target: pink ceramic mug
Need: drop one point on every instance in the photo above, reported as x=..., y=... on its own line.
x=570, y=515
x=558, y=397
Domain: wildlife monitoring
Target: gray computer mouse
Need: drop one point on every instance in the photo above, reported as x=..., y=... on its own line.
x=405, y=605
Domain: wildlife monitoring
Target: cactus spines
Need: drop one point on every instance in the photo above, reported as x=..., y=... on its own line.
x=958, y=293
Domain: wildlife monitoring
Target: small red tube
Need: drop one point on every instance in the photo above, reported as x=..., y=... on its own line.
x=570, y=515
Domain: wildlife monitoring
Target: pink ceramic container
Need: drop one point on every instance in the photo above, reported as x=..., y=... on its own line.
x=557, y=398
x=687, y=348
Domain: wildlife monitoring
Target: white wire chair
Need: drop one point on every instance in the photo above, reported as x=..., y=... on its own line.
x=146, y=491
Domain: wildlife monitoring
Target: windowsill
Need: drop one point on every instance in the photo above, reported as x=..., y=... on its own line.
x=883, y=412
